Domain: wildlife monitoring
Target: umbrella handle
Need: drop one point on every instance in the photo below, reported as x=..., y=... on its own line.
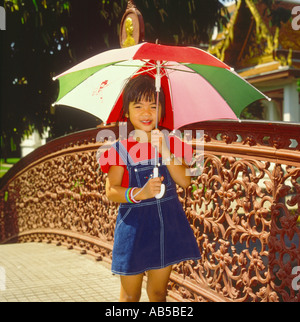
x=158, y=87
x=163, y=187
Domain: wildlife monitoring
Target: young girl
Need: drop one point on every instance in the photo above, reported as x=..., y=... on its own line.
x=151, y=234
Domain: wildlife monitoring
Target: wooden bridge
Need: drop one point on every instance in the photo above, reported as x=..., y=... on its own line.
x=244, y=209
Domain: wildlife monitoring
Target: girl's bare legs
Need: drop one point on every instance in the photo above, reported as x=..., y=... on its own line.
x=157, y=284
x=131, y=288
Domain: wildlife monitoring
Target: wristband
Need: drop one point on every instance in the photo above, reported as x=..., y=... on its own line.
x=132, y=197
x=127, y=195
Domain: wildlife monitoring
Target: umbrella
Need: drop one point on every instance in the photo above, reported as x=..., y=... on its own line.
x=198, y=86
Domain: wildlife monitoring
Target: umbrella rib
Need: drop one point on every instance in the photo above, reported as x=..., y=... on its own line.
x=153, y=67
x=174, y=69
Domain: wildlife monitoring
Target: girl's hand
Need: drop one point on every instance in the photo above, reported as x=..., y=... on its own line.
x=158, y=140
x=176, y=166
x=151, y=189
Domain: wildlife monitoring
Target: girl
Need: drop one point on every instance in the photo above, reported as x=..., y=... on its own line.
x=151, y=234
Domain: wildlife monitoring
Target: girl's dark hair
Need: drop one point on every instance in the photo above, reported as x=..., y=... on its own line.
x=142, y=86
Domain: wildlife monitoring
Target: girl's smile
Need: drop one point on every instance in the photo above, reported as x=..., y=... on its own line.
x=142, y=114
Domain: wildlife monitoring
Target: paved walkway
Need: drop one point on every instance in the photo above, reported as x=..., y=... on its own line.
x=36, y=272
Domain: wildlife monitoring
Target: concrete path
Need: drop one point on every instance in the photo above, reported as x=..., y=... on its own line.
x=36, y=272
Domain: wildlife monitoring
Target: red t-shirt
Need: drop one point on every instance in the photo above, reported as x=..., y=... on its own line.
x=141, y=152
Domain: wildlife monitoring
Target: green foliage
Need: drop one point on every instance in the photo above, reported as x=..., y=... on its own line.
x=45, y=37
x=254, y=111
x=34, y=43
x=184, y=22
x=277, y=14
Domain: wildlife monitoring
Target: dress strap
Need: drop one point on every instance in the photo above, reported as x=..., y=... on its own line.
x=122, y=151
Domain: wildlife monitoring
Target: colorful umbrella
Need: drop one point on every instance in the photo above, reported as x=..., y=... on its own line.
x=198, y=87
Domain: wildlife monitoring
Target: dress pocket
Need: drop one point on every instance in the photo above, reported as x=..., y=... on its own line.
x=143, y=174
x=121, y=218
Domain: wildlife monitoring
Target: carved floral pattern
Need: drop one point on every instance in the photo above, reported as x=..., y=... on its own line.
x=233, y=207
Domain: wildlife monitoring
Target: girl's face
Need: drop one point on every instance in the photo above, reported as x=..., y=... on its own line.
x=142, y=114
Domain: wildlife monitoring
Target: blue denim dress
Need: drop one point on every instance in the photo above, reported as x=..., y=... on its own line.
x=152, y=234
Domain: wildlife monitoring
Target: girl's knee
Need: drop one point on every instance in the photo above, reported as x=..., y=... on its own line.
x=131, y=288
x=157, y=295
x=133, y=297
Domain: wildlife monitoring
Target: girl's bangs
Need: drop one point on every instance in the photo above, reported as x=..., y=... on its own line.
x=146, y=95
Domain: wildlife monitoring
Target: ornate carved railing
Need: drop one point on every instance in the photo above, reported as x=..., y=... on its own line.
x=244, y=209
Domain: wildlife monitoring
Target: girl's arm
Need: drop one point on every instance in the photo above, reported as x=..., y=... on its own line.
x=177, y=171
x=116, y=193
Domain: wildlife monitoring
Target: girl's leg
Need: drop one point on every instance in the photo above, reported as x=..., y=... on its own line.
x=131, y=288
x=157, y=284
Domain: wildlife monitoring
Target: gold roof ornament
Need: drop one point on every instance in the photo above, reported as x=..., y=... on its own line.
x=132, y=29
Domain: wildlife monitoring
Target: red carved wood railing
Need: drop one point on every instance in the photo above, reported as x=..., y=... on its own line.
x=244, y=209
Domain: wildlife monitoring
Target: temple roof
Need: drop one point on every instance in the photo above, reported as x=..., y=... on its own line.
x=254, y=44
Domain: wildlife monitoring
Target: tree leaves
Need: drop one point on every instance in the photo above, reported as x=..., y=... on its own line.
x=46, y=37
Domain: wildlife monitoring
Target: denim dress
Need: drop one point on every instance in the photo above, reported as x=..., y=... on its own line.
x=154, y=233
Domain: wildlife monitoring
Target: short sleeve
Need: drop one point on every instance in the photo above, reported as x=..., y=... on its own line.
x=181, y=149
x=109, y=157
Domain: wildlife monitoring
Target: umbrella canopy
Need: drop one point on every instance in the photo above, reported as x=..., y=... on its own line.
x=198, y=87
